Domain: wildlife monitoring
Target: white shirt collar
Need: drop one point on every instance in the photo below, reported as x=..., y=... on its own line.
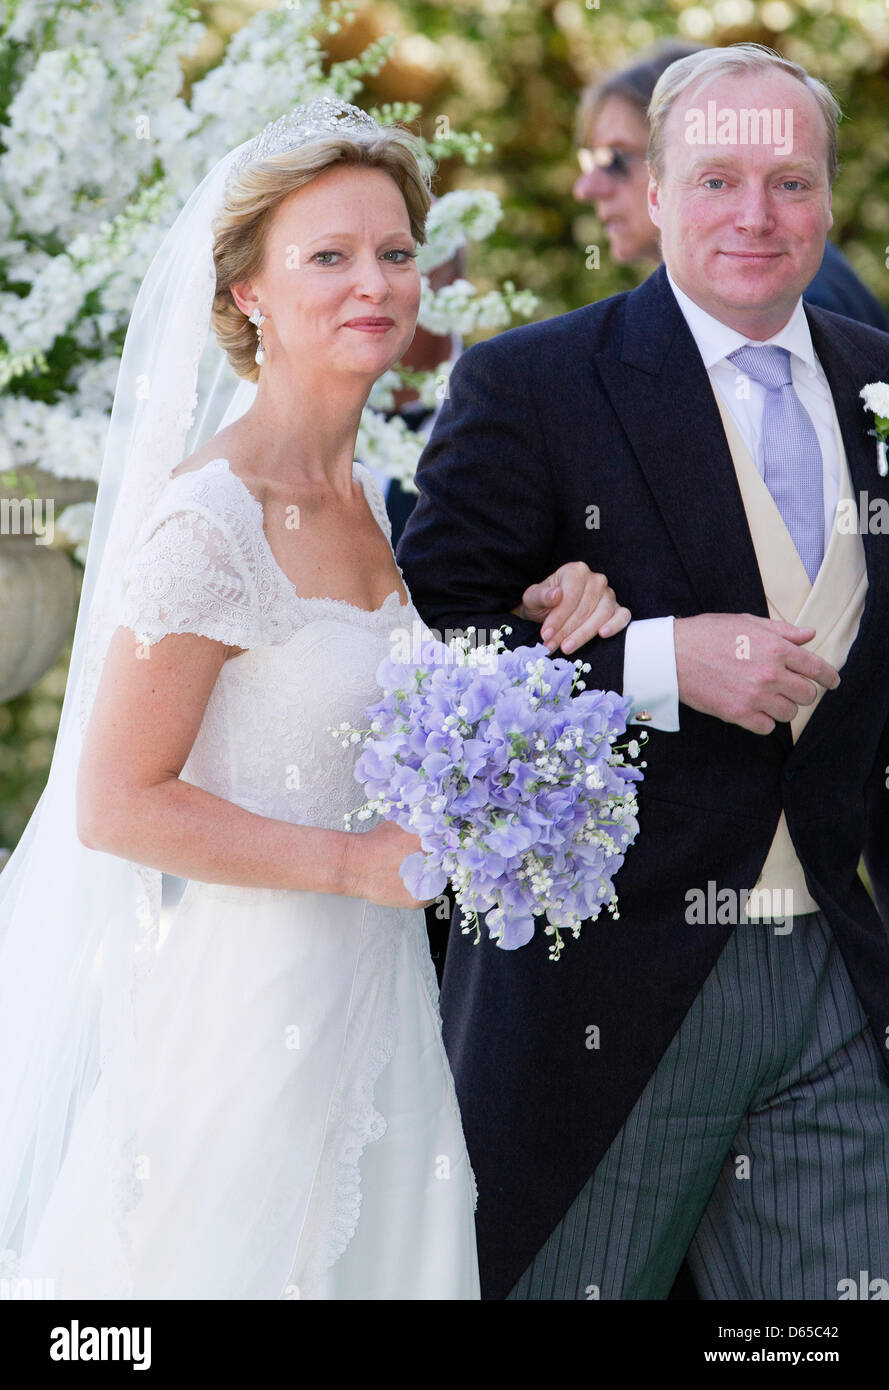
x=715, y=340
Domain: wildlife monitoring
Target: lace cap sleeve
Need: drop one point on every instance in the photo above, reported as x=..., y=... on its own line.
x=189, y=574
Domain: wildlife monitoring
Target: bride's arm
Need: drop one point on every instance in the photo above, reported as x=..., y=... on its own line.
x=131, y=802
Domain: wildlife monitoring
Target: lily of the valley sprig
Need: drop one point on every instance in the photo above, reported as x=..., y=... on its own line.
x=876, y=398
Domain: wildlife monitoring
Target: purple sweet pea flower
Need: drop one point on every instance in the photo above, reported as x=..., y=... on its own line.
x=518, y=930
x=421, y=879
x=454, y=755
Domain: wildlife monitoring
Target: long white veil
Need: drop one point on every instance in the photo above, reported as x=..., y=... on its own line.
x=78, y=927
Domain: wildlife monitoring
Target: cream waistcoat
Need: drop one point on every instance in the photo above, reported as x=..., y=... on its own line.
x=832, y=606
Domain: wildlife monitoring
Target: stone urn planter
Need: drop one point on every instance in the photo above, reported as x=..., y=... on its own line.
x=38, y=582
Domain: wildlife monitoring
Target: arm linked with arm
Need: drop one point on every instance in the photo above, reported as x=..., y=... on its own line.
x=485, y=525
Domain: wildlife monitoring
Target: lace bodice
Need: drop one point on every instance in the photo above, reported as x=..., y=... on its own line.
x=203, y=564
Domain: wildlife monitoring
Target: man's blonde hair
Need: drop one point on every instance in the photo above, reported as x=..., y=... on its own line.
x=717, y=62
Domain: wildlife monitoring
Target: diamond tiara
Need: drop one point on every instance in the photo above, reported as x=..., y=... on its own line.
x=311, y=121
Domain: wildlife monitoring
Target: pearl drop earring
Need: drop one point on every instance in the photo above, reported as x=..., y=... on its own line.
x=258, y=317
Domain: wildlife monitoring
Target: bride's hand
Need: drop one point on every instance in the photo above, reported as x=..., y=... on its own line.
x=574, y=605
x=374, y=859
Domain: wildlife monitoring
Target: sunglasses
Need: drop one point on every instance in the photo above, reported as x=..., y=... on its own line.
x=617, y=163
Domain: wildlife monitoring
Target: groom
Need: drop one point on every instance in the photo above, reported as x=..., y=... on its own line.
x=687, y=1077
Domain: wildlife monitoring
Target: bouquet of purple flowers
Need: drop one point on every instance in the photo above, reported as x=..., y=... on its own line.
x=513, y=782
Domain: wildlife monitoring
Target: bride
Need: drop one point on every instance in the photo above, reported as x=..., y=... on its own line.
x=258, y=1106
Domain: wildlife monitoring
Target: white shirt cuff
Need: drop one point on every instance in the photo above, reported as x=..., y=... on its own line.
x=650, y=673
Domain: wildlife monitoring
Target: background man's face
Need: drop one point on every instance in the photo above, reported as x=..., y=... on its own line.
x=743, y=225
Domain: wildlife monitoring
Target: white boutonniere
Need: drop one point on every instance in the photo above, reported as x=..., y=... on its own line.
x=876, y=398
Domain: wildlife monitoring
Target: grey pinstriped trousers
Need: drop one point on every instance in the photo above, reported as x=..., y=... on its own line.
x=762, y=1140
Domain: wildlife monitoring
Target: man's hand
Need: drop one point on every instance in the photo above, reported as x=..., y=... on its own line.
x=574, y=605
x=747, y=670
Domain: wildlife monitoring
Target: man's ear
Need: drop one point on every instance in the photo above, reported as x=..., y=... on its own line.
x=829, y=208
x=654, y=200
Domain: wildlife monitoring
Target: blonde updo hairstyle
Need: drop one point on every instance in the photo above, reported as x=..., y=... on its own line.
x=257, y=190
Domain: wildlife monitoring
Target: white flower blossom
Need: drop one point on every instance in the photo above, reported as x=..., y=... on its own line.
x=99, y=151
x=73, y=527
x=465, y=212
x=391, y=446
x=876, y=398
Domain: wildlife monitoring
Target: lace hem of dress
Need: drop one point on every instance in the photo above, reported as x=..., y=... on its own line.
x=362, y=1124
x=361, y=617
x=353, y=1120
x=148, y=634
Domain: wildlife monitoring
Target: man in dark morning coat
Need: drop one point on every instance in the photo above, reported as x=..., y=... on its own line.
x=674, y=1082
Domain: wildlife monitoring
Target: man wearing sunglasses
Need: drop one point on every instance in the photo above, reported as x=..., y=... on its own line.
x=612, y=127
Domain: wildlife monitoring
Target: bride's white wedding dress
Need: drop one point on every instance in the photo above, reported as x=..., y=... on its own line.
x=300, y=1133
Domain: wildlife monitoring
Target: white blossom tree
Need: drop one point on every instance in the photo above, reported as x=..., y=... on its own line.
x=99, y=151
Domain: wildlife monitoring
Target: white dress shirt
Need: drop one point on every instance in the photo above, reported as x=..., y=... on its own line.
x=649, y=656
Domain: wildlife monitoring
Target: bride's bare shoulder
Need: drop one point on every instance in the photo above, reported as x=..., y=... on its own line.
x=228, y=445
x=201, y=456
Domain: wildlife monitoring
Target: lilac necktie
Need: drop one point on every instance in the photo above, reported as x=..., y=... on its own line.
x=792, y=464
